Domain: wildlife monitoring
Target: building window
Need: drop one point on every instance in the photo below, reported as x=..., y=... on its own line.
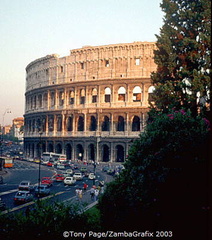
x=71, y=97
x=82, y=96
x=93, y=124
x=107, y=64
x=137, y=61
x=107, y=94
x=136, y=124
x=80, y=126
x=82, y=65
x=137, y=94
x=94, y=95
x=151, y=93
x=106, y=124
x=121, y=94
x=61, y=69
x=120, y=124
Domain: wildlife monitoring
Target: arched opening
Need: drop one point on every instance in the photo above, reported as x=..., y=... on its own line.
x=50, y=147
x=119, y=153
x=51, y=123
x=151, y=93
x=79, y=152
x=107, y=94
x=59, y=123
x=121, y=94
x=105, y=153
x=80, y=125
x=94, y=95
x=137, y=94
x=91, y=152
x=106, y=124
x=120, y=124
x=68, y=151
x=58, y=148
x=69, y=125
x=136, y=124
x=93, y=124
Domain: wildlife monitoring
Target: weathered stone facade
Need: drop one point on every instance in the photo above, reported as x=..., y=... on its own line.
x=91, y=104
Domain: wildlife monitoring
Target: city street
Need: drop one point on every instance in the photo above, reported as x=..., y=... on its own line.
x=24, y=170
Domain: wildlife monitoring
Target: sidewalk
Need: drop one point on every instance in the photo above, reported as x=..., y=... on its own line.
x=86, y=200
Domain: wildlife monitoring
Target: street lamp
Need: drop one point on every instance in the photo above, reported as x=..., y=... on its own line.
x=2, y=132
x=40, y=148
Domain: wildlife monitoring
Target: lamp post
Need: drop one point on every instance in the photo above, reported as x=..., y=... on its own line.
x=2, y=132
x=40, y=148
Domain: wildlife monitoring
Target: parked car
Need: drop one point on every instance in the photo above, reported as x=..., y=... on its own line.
x=2, y=205
x=42, y=190
x=23, y=197
x=69, y=181
x=78, y=176
x=25, y=186
x=47, y=181
x=83, y=169
x=59, y=177
x=91, y=176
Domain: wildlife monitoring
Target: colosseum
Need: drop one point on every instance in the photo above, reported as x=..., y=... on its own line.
x=89, y=105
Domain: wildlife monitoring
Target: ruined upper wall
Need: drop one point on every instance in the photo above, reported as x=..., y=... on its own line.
x=131, y=60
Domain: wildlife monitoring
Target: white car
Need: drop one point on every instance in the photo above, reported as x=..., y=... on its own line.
x=69, y=171
x=69, y=181
x=78, y=176
x=91, y=176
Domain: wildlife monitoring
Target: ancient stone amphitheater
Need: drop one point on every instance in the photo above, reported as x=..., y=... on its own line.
x=89, y=105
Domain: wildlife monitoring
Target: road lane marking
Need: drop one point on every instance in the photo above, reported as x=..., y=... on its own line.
x=11, y=191
x=29, y=203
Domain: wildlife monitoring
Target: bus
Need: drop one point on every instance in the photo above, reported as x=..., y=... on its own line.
x=52, y=157
x=8, y=162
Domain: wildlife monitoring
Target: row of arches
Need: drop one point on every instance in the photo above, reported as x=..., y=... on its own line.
x=71, y=123
x=101, y=152
x=62, y=97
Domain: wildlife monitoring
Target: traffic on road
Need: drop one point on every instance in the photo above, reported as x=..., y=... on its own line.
x=21, y=186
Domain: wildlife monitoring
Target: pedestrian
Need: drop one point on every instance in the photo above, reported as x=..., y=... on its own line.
x=80, y=194
x=77, y=194
x=85, y=187
x=96, y=194
x=92, y=193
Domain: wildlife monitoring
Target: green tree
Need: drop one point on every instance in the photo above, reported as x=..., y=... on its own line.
x=164, y=182
x=183, y=56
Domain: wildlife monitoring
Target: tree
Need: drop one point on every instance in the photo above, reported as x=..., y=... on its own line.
x=183, y=56
x=164, y=182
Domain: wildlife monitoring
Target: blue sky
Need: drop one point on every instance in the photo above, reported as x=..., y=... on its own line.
x=31, y=29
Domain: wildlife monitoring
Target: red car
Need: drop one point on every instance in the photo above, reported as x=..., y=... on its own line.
x=47, y=181
x=50, y=164
x=59, y=177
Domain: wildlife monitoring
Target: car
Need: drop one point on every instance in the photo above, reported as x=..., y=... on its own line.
x=23, y=197
x=69, y=171
x=42, y=190
x=59, y=177
x=78, y=176
x=91, y=176
x=69, y=181
x=105, y=168
x=46, y=181
x=60, y=166
x=50, y=164
x=83, y=169
x=25, y=186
